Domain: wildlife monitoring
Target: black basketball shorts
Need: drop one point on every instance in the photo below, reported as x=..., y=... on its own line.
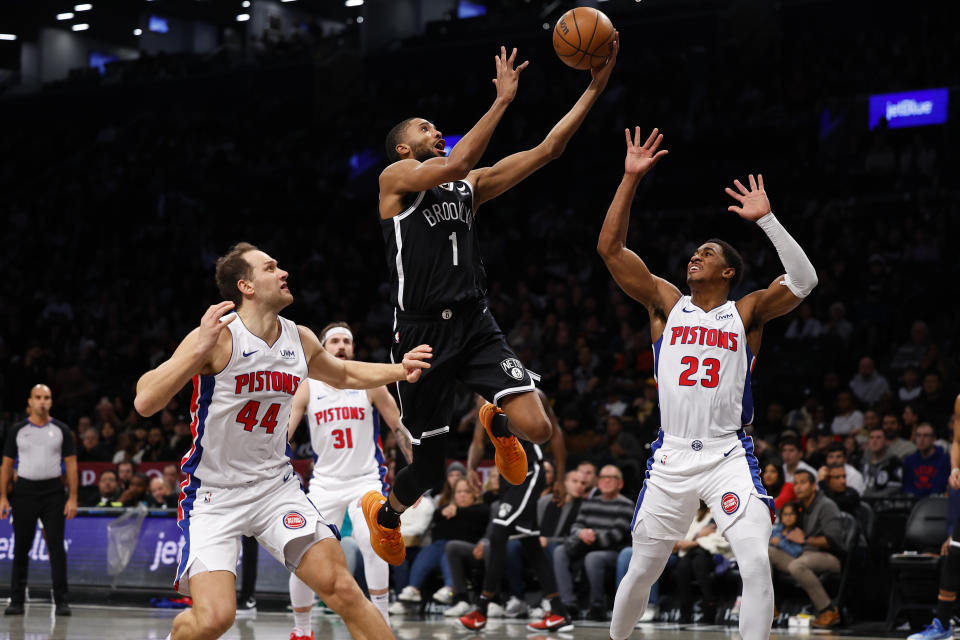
x=468, y=346
x=518, y=503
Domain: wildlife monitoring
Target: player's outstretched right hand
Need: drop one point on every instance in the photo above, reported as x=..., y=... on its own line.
x=413, y=361
x=211, y=325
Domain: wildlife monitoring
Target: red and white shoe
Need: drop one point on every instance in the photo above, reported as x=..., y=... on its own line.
x=294, y=636
x=552, y=622
x=473, y=620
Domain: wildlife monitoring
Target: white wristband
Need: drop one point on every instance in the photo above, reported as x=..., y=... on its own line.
x=801, y=276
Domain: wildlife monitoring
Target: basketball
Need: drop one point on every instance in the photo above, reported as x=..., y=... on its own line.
x=583, y=38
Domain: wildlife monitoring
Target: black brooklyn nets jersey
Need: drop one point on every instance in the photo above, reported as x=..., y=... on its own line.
x=433, y=252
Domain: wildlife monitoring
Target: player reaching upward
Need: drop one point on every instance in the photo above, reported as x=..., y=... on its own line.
x=428, y=206
x=348, y=462
x=704, y=346
x=245, y=369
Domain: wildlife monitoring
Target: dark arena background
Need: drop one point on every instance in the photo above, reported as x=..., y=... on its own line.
x=141, y=139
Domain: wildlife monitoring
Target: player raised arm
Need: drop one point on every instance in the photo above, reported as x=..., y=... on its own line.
x=625, y=266
x=410, y=175
x=351, y=374
x=387, y=408
x=198, y=353
x=490, y=182
x=786, y=292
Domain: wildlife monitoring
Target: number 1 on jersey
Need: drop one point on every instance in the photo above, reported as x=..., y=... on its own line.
x=453, y=241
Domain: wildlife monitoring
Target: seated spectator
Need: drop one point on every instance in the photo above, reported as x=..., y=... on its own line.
x=934, y=404
x=801, y=420
x=136, y=492
x=834, y=486
x=837, y=455
x=156, y=449
x=926, y=472
x=782, y=492
x=108, y=492
x=124, y=473
x=820, y=532
x=160, y=496
x=896, y=443
x=787, y=534
x=696, y=562
x=126, y=447
x=549, y=477
x=882, y=471
x=910, y=388
x=588, y=473
x=601, y=529
x=803, y=326
x=491, y=487
x=182, y=439
x=462, y=518
x=90, y=449
x=171, y=475
x=818, y=442
x=868, y=386
x=108, y=437
x=578, y=438
x=556, y=520
x=792, y=457
x=619, y=443
x=847, y=418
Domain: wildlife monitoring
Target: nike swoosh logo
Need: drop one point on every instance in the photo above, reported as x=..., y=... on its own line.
x=685, y=310
x=729, y=452
x=250, y=353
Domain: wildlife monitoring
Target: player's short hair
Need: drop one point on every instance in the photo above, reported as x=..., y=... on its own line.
x=808, y=473
x=231, y=268
x=395, y=137
x=333, y=325
x=733, y=258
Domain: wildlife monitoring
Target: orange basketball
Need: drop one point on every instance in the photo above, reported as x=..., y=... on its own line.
x=583, y=38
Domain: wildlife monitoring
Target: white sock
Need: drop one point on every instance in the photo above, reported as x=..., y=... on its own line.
x=301, y=623
x=381, y=602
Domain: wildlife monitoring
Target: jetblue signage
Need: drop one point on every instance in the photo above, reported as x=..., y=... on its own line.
x=909, y=109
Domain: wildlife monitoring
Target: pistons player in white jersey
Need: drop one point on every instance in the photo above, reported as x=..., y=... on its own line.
x=348, y=462
x=246, y=368
x=704, y=347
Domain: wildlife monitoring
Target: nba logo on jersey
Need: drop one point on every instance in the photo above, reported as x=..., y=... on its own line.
x=513, y=368
x=294, y=520
x=730, y=502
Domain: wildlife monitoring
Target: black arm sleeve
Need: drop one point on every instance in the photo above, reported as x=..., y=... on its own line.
x=10, y=446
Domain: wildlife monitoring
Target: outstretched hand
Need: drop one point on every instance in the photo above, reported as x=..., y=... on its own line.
x=507, y=77
x=413, y=361
x=753, y=202
x=602, y=73
x=641, y=158
x=211, y=325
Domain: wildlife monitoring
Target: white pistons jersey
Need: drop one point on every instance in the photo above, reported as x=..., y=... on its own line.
x=239, y=416
x=344, y=433
x=703, y=365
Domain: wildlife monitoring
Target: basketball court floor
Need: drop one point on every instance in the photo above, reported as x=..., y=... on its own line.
x=91, y=622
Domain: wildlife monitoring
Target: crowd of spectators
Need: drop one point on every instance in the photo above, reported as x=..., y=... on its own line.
x=114, y=220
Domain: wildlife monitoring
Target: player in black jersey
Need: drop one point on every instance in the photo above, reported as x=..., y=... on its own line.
x=428, y=205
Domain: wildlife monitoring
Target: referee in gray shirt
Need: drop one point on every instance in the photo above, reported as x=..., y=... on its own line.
x=42, y=444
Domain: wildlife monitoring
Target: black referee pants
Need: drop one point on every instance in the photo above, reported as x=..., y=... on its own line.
x=32, y=500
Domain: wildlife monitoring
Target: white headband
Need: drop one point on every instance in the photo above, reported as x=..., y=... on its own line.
x=336, y=331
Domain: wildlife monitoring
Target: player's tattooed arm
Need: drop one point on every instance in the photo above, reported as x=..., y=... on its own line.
x=206, y=349
x=387, y=407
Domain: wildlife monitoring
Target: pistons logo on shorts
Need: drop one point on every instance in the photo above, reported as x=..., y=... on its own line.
x=730, y=502
x=513, y=368
x=294, y=520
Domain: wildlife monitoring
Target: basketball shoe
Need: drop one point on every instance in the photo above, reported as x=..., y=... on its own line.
x=388, y=543
x=511, y=459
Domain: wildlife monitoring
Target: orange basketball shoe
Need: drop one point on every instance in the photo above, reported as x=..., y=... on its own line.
x=511, y=459
x=388, y=543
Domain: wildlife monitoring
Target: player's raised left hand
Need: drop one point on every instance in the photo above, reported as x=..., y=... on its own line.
x=753, y=202
x=413, y=361
x=600, y=75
